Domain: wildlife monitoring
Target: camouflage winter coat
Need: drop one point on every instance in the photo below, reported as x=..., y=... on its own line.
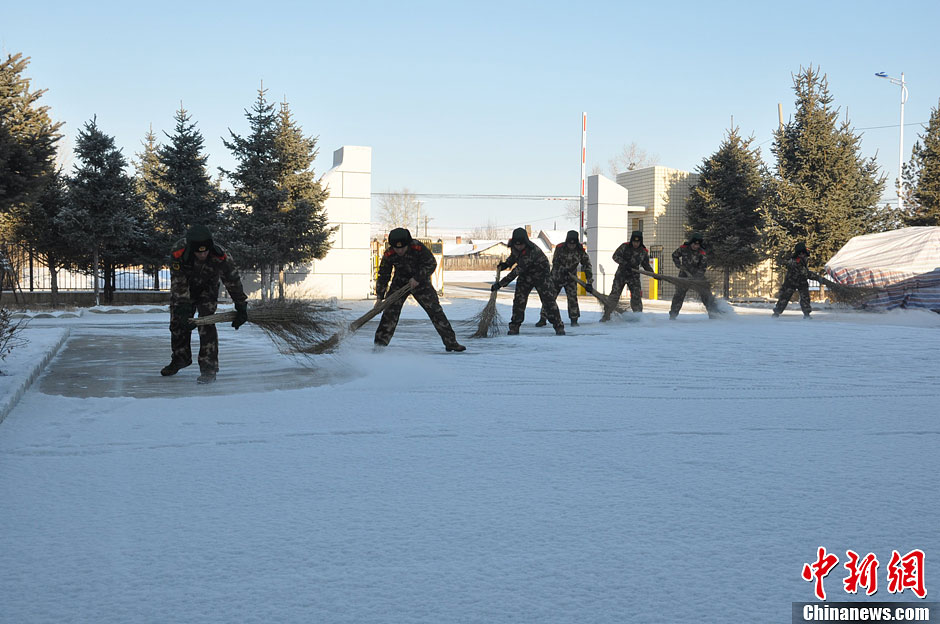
x=565, y=263
x=798, y=272
x=198, y=282
x=530, y=263
x=418, y=263
x=630, y=259
x=691, y=263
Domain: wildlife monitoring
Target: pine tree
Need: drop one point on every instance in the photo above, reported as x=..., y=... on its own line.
x=185, y=193
x=148, y=181
x=28, y=136
x=302, y=232
x=149, y=172
x=725, y=205
x=824, y=192
x=922, y=177
x=40, y=225
x=105, y=218
x=258, y=195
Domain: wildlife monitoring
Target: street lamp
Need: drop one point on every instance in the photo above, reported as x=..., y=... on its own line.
x=900, y=82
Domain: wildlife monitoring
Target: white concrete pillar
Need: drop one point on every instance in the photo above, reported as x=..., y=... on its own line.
x=608, y=225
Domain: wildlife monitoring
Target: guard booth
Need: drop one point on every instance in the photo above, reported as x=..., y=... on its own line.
x=436, y=247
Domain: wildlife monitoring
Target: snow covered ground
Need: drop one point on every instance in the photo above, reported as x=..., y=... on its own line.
x=648, y=471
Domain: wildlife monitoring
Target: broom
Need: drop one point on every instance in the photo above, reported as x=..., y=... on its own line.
x=605, y=301
x=291, y=324
x=683, y=282
x=488, y=321
x=701, y=286
x=325, y=346
x=852, y=295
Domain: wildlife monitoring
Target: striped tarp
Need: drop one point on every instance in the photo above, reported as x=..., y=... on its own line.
x=905, y=263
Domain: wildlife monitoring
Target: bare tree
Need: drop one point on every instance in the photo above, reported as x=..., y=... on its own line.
x=402, y=209
x=631, y=157
x=573, y=209
x=487, y=232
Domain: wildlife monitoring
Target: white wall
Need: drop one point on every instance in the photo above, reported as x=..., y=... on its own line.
x=346, y=271
x=608, y=225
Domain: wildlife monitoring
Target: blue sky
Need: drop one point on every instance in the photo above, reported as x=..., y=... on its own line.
x=481, y=98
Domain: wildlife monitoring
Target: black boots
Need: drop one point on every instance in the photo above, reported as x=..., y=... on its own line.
x=173, y=367
x=206, y=377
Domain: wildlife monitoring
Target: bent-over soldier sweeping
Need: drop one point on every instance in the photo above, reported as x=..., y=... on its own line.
x=197, y=265
x=691, y=260
x=533, y=271
x=565, y=262
x=797, y=278
x=414, y=264
x=630, y=257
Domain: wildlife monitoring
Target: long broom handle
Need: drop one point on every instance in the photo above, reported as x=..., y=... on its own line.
x=678, y=281
x=212, y=319
x=604, y=300
x=380, y=307
x=845, y=287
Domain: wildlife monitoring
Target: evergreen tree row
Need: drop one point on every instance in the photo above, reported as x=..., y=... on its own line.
x=821, y=191
x=98, y=217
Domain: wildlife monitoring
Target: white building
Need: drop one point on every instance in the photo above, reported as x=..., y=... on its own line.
x=346, y=271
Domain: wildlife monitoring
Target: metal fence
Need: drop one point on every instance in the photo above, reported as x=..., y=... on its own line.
x=24, y=271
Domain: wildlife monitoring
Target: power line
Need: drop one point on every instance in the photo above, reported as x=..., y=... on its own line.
x=482, y=196
x=914, y=123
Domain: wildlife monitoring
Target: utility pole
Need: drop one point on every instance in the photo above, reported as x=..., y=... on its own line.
x=583, y=169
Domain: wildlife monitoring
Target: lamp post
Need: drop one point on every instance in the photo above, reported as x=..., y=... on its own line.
x=900, y=82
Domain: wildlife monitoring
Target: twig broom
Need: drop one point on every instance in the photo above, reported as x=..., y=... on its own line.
x=488, y=321
x=604, y=299
x=853, y=295
x=325, y=346
x=291, y=324
x=701, y=286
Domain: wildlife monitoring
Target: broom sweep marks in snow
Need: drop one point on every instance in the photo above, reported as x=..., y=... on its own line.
x=291, y=324
x=325, y=346
x=487, y=320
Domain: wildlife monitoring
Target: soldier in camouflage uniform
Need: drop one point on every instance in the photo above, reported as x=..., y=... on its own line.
x=630, y=257
x=797, y=278
x=196, y=267
x=533, y=270
x=414, y=264
x=565, y=262
x=691, y=260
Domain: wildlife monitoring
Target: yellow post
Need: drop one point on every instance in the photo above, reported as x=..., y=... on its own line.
x=654, y=283
x=581, y=290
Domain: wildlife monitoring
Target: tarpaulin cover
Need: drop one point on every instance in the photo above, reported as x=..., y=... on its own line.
x=905, y=263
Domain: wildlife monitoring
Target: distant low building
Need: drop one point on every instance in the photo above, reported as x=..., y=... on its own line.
x=474, y=255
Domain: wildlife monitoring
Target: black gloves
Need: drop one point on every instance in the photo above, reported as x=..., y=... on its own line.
x=589, y=288
x=182, y=312
x=241, y=314
x=495, y=286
